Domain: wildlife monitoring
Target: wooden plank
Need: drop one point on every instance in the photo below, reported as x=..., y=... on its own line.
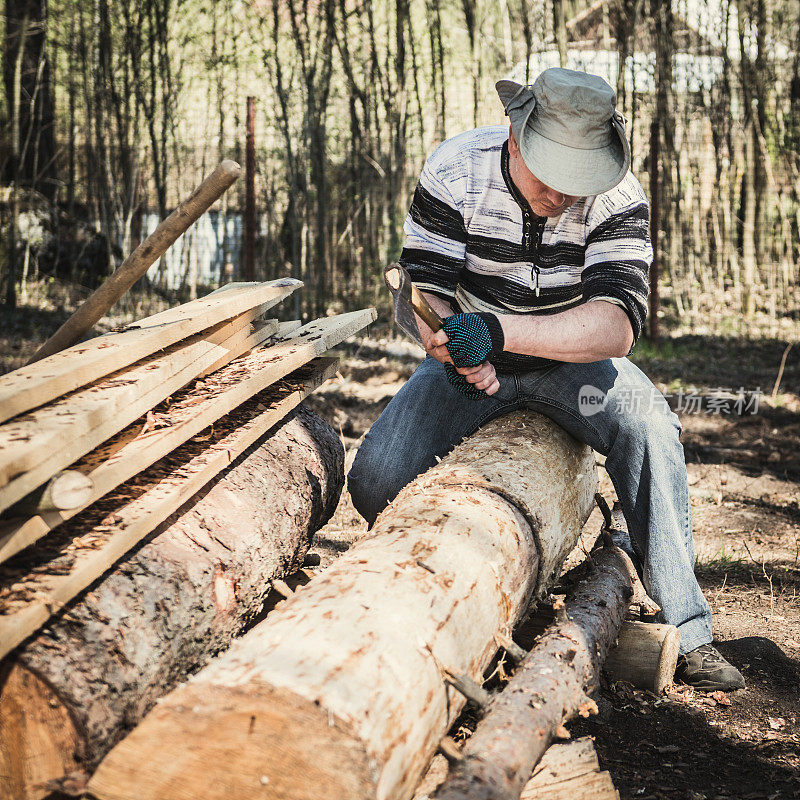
x=34, y=385
x=71, y=564
x=136, y=448
x=137, y=262
x=243, y=342
x=36, y=445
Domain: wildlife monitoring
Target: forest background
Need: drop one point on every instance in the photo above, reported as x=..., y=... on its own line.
x=113, y=110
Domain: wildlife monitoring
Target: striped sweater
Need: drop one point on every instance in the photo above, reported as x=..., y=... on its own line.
x=472, y=239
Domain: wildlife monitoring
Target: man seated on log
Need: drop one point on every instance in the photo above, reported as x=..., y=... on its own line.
x=532, y=243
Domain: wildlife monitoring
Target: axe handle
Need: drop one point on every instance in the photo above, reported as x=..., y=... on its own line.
x=424, y=310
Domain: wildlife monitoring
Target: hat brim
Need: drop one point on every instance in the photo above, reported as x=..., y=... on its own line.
x=572, y=170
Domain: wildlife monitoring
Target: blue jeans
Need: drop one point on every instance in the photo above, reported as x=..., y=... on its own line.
x=610, y=405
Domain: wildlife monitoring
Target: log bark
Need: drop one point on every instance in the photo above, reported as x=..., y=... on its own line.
x=342, y=691
x=76, y=688
x=645, y=654
x=549, y=686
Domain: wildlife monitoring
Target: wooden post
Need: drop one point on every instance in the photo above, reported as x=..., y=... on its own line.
x=655, y=225
x=249, y=260
x=140, y=260
x=343, y=691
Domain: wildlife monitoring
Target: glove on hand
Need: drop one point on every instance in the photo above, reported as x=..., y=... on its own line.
x=473, y=338
x=461, y=383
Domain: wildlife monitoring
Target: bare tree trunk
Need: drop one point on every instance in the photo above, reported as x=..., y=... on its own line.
x=26, y=75
x=560, y=29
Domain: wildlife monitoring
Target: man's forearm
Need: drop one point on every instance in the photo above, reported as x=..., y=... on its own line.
x=589, y=332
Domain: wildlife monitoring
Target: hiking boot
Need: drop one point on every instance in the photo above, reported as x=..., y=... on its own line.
x=706, y=669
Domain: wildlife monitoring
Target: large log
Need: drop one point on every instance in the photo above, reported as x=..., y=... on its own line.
x=73, y=690
x=341, y=691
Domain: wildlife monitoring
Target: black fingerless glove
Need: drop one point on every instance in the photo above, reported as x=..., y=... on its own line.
x=461, y=383
x=473, y=338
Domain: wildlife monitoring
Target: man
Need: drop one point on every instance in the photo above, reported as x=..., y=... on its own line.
x=532, y=243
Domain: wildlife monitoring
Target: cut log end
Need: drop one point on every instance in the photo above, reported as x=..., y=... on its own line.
x=39, y=736
x=71, y=489
x=273, y=744
x=646, y=655
x=230, y=168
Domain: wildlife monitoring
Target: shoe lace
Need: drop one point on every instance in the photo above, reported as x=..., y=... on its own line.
x=711, y=656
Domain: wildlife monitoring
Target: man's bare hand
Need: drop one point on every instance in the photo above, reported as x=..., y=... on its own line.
x=481, y=377
x=435, y=347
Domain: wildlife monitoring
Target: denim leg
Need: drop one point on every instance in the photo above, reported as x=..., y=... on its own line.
x=423, y=421
x=612, y=406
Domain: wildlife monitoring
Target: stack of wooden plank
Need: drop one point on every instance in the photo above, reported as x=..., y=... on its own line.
x=91, y=436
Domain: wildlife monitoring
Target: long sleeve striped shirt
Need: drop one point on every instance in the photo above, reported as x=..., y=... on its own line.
x=473, y=240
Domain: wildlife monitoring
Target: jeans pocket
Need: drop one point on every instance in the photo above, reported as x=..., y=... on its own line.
x=507, y=393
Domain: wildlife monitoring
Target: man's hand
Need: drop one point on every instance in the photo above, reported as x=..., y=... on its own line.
x=482, y=376
x=436, y=346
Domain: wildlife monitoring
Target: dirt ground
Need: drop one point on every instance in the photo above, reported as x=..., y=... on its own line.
x=744, y=474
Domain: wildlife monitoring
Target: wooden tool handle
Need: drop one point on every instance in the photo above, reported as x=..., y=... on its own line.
x=140, y=260
x=423, y=308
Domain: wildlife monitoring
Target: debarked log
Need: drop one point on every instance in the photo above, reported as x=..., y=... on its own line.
x=76, y=687
x=343, y=691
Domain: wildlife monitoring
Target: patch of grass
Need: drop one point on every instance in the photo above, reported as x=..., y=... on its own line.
x=723, y=561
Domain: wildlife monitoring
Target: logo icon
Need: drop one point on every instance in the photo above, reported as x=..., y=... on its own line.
x=591, y=400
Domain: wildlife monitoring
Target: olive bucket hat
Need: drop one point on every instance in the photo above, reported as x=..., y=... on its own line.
x=570, y=135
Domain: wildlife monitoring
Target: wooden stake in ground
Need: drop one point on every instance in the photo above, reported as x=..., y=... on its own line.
x=82, y=682
x=140, y=260
x=342, y=691
x=549, y=686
